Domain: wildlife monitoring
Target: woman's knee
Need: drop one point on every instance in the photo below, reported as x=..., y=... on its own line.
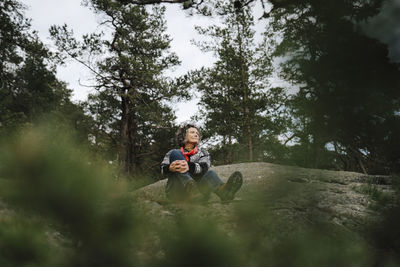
x=176, y=154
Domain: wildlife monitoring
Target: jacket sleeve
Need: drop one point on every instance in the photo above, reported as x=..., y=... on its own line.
x=203, y=164
x=165, y=164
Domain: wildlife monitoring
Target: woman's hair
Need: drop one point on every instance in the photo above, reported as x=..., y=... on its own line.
x=181, y=133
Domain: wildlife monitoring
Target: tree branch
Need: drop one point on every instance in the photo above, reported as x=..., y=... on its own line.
x=150, y=2
x=289, y=139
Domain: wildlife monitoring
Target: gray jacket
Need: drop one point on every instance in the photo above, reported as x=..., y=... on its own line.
x=199, y=163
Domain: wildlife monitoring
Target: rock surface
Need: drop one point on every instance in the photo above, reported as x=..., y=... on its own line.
x=276, y=203
x=300, y=195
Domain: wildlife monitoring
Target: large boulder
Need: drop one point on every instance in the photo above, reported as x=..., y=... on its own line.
x=297, y=195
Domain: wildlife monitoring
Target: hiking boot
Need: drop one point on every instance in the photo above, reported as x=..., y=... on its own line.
x=228, y=190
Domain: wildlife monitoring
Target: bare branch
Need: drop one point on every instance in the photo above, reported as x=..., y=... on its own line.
x=289, y=139
x=150, y=2
x=85, y=85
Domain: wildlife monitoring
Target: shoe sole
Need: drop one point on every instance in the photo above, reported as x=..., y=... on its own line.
x=233, y=185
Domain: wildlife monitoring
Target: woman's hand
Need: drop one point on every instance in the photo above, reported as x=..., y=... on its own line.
x=180, y=166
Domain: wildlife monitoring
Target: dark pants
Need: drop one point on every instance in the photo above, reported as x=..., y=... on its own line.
x=175, y=188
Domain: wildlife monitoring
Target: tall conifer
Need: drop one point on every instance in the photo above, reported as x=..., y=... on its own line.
x=128, y=70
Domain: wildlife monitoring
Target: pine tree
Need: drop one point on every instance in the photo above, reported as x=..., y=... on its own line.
x=29, y=88
x=234, y=91
x=128, y=71
x=349, y=92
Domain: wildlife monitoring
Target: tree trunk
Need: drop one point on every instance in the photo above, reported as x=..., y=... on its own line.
x=362, y=166
x=357, y=156
x=124, y=134
x=315, y=151
x=230, y=159
x=245, y=104
x=133, y=159
x=248, y=128
x=225, y=157
x=127, y=151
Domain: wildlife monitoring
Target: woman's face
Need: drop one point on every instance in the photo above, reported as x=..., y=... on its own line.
x=192, y=136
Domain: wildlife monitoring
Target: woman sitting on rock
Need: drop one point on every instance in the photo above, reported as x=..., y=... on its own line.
x=188, y=170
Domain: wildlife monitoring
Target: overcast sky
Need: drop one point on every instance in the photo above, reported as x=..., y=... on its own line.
x=82, y=20
x=45, y=13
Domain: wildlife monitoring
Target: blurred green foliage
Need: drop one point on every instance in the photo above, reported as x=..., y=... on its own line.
x=47, y=174
x=23, y=243
x=194, y=242
x=60, y=207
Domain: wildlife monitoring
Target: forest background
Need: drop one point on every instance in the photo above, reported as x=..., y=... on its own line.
x=69, y=169
x=338, y=107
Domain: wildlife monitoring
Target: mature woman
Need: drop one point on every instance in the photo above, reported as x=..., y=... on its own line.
x=188, y=173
